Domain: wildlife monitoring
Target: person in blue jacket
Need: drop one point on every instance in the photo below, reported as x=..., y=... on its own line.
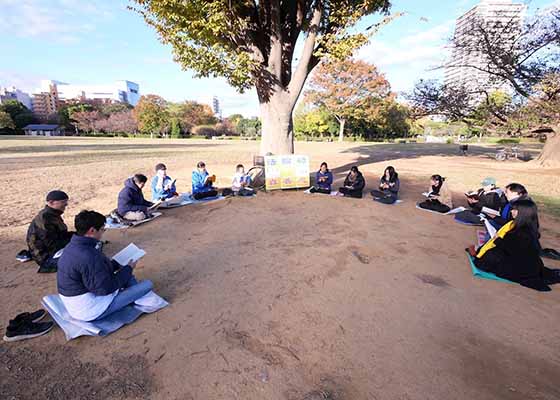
x=389, y=185
x=163, y=187
x=90, y=284
x=131, y=203
x=323, y=180
x=202, y=183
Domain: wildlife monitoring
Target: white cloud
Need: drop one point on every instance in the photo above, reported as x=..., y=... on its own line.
x=411, y=57
x=60, y=20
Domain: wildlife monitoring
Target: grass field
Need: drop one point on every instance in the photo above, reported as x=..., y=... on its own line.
x=287, y=295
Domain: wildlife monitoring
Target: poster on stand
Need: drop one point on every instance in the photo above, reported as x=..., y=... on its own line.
x=286, y=172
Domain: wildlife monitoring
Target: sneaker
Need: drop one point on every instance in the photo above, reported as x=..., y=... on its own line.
x=26, y=330
x=23, y=256
x=35, y=316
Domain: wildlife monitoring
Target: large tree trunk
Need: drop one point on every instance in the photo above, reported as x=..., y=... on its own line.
x=277, y=125
x=550, y=156
x=342, y=122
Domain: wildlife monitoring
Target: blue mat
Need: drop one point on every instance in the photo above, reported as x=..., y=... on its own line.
x=205, y=200
x=483, y=274
x=467, y=223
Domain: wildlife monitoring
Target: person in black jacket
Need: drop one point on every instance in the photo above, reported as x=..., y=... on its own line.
x=514, y=253
x=131, y=203
x=90, y=284
x=388, y=191
x=47, y=233
x=488, y=196
x=353, y=184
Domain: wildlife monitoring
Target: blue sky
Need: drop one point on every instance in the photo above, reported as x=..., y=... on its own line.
x=99, y=42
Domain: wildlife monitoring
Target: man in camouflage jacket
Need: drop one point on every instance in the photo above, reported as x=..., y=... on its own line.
x=48, y=233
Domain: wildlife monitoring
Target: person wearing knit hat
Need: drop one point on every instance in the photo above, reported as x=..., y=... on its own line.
x=488, y=196
x=48, y=234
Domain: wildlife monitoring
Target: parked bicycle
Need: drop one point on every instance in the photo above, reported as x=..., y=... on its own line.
x=256, y=172
x=506, y=153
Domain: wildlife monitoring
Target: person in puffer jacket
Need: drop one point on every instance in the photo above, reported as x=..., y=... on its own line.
x=131, y=203
x=353, y=184
x=163, y=187
x=90, y=284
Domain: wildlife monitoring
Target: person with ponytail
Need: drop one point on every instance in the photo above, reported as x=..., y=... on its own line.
x=388, y=192
x=439, y=196
x=514, y=253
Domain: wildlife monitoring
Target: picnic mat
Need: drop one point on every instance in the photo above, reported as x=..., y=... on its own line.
x=206, y=200
x=74, y=328
x=183, y=200
x=483, y=274
x=112, y=224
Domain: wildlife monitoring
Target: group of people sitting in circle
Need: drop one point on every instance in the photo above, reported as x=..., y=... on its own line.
x=92, y=286
x=513, y=252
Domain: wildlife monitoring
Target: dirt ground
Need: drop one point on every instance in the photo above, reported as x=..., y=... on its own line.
x=285, y=296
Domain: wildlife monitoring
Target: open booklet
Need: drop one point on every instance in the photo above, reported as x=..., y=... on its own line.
x=155, y=205
x=130, y=252
x=490, y=211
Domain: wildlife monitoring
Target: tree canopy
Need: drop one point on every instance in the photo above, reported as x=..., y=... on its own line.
x=253, y=44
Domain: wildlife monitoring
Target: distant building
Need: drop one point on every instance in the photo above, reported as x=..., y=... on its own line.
x=46, y=102
x=43, y=130
x=13, y=93
x=488, y=12
x=119, y=91
x=216, y=107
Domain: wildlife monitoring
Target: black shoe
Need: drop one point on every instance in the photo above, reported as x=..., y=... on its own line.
x=26, y=330
x=47, y=269
x=550, y=253
x=23, y=256
x=28, y=317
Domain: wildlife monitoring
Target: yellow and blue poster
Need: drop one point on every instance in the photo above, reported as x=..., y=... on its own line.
x=286, y=172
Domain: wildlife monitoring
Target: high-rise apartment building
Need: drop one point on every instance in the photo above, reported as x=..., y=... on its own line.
x=46, y=102
x=463, y=69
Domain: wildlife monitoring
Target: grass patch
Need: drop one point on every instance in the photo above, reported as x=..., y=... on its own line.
x=548, y=205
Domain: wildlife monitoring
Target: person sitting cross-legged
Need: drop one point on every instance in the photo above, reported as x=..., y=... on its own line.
x=353, y=184
x=388, y=192
x=439, y=196
x=323, y=180
x=202, y=183
x=488, y=196
x=91, y=285
x=131, y=203
x=241, y=181
x=163, y=187
x=47, y=233
x=514, y=253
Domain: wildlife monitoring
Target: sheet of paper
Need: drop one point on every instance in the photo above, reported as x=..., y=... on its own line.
x=456, y=210
x=490, y=211
x=130, y=252
x=426, y=194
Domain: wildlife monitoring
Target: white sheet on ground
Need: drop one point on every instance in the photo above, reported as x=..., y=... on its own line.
x=74, y=328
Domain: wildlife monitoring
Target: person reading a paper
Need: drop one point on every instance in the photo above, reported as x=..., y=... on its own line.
x=202, y=183
x=514, y=253
x=439, y=196
x=131, y=203
x=241, y=181
x=353, y=184
x=488, y=197
x=514, y=192
x=388, y=192
x=163, y=187
x=91, y=285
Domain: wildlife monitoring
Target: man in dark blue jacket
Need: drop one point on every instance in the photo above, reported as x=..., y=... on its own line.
x=90, y=284
x=131, y=203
